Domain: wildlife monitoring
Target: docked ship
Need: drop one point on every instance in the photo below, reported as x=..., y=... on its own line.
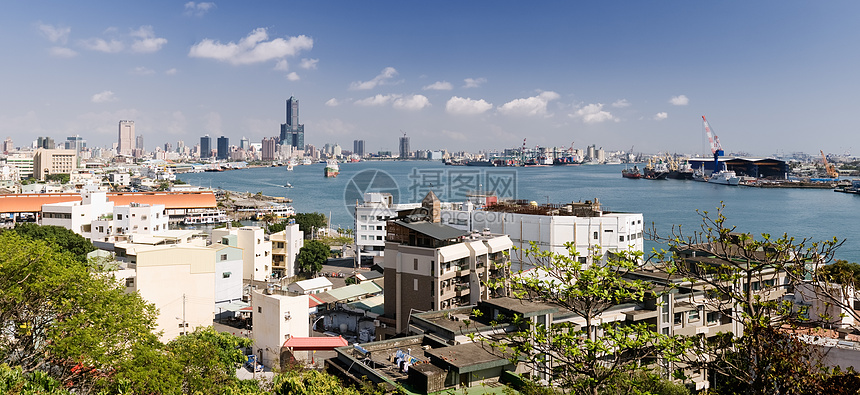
x=724, y=177
x=631, y=173
x=656, y=172
x=482, y=163
x=206, y=217
x=331, y=168
x=277, y=210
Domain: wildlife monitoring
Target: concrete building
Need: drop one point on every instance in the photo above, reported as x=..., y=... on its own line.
x=257, y=251
x=134, y=218
x=371, y=217
x=268, y=149
x=285, y=248
x=277, y=318
x=358, y=148
x=78, y=216
x=404, y=147
x=53, y=161
x=23, y=163
x=126, y=139
x=311, y=286
x=223, y=148
x=206, y=147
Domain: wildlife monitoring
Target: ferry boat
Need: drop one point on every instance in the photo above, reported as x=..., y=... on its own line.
x=307, y=161
x=205, y=217
x=331, y=168
x=278, y=210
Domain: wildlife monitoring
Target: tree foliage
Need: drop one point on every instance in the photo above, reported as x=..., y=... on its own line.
x=312, y=256
x=595, y=357
x=62, y=238
x=208, y=359
x=310, y=382
x=309, y=222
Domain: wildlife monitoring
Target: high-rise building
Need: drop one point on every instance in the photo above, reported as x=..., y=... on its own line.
x=292, y=132
x=205, y=146
x=7, y=145
x=268, y=149
x=223, y=147
x=244, y=143
x=358, y=148
x=45, y=142
x=138, y=143
x=75, y=143
x=404, y=147
x=126, y=140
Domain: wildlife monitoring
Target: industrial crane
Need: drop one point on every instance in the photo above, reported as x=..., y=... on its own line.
x=828, y=167
x=716, y=148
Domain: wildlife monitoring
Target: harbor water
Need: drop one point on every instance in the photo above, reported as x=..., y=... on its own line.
x=815, y=214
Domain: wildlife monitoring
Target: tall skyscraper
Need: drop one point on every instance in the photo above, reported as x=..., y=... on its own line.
x=8, y=146
x=268, y=149
x=358, y=148
x=223, y=147
x=404, y=147
x=45, y=142
x=138, y=143
x=292, y=132
x=126, y=140
x=75, y=143
x=205, y=146
x=244, y=143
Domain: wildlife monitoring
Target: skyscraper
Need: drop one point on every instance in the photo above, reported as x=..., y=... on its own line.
x=205, y=146
x=126, y=140
x=268, y=149
x=358, y=148
x=223, y=147
x=404, y=147
x=76, y=143
x=45, y=142
x=292, y=132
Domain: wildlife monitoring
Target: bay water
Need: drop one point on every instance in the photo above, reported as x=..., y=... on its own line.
x=815, y=214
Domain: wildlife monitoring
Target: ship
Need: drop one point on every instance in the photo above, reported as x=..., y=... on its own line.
x=631, y=173
x=656, y=172
x=482, y=163
x=205, y=217
x=724, y=177
x=331, y=168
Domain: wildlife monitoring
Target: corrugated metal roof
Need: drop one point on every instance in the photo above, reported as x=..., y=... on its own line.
x=374, y=304
x=434, y=230
x=32, y=202
x=354, y=291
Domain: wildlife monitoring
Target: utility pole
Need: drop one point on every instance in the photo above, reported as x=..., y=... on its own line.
x=184, y=324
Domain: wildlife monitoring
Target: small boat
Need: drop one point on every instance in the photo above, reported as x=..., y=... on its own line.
x=288, y=185
x=331, y=168
x=724, y=177
x=205, y=217
x=631, y=173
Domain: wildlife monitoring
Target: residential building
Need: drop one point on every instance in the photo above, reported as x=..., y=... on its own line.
x=23, y=163
x=311, y=286
x=8, y=146
x=358, y=148
x=223, y=148
x=292, y=132
x=268, y=150
x=126, y=139
x=53, y=161
x=277, y=318
x=285, y=248
x=206, y=147
x=75, y=143
x=371, y=217
x=432, y=266
x=257, y=251
x=78, y=216
x=45, y=142
x=134, y=218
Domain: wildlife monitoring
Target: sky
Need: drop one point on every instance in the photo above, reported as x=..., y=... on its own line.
x=772, y=77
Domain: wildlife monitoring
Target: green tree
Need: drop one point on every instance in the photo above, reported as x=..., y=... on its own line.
x=744, y=279
x=60, y=178
x=312, y=256
x=310, y=222
x=310, y=382
x=62, y=319
x=208, y=359
x=13, y=381
x=64, y=239
x=596, y=357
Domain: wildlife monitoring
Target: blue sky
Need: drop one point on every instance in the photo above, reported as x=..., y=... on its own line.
x=770, y=75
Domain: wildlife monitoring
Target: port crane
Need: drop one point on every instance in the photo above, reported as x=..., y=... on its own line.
x=716, y=148
x=828, y=167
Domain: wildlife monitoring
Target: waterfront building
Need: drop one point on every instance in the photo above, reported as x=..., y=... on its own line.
x=78, y=216
x=205, y=146
x=223, y=148
x=53, y=161
x=432, y=266
x=358, y=148
x=371, y=217
x=285, y=248
x=292, y=132
x=404, y=147
x=126, y=139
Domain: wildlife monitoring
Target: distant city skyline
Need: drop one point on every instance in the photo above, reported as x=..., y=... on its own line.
x=770, y=77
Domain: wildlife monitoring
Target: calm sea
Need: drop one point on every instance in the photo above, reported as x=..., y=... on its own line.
x=813, y=214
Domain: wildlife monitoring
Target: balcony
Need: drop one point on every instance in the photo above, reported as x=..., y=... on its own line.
x=462, y=289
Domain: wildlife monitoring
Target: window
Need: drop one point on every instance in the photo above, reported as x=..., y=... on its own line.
x=678, y=318
x=415, y=283
x=379, y=227
x=607, y=230
x=416, y=264
x=620, y=238
x=226, y=274
x=223, y=257
x=259, y=309
x=129, y=282
x=119, y=216
x=693, y=315
x=595, y=235
x=713, y=317
x=378, y=237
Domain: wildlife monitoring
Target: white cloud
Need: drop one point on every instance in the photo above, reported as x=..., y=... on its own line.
x=142, y=71
x=254, y=48
x=474, y=82
x=309, y=64
x=293, y=76
x=661, y=116
x=198, y=9
x=439, y=86
x=414, y=102
x=334, y=127
x=145, y=40
x=103, y=97
x=332, y=102
x=282, y=65
x=386, y=75
x=679, y=100
x=62, y=52
x=535, y=105
x=55, y=34
x=171, y=71
x=378, y=100
x=102, y=45
x=459, y=105
x=593, y=113
x=621, y=103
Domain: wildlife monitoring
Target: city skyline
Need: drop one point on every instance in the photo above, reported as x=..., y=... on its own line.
x=770, y=77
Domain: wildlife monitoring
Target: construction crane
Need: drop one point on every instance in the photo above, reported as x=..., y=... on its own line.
x=716, y=148
x=828, y=167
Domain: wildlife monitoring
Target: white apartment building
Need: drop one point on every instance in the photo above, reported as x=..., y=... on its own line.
x=97, y=219
x=285, y=248
x=78, y=216
x=276, y=319
x=370, y=218
x=257, y=251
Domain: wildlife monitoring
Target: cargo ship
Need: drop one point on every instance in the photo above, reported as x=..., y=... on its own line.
x=331, y=168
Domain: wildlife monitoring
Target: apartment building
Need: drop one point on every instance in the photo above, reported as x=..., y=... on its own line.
x=285, y=248
x=257, y=256
x=277, y=318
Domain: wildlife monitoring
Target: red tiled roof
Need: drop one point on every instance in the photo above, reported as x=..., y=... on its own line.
x=313, y=301
x=32, y=202
x=315, y=343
